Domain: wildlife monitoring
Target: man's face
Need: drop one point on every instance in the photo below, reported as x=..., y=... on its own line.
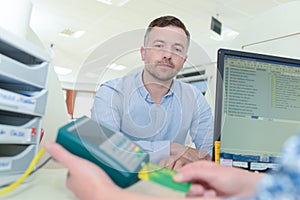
x=165, y=52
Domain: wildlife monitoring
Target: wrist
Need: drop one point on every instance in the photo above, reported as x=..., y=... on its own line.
x=203, y=155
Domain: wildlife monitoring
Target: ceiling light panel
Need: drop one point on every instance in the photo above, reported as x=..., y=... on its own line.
x=68, y=32
x=114, y=2
x=62, y=70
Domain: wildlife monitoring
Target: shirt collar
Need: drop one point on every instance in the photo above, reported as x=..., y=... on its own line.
x=144, y=92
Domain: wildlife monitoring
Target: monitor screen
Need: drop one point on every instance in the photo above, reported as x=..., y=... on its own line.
x=257, y=106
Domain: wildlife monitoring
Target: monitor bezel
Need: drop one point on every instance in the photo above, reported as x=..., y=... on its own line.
x=219, y=78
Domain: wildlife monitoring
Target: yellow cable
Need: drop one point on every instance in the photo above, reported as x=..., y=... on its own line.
x=25, y=175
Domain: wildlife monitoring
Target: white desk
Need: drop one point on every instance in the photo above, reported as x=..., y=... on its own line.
x=49, y=184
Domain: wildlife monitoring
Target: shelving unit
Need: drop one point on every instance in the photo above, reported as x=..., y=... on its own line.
x=23, y=97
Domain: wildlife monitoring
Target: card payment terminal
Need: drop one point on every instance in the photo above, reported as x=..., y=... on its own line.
x=118, y=156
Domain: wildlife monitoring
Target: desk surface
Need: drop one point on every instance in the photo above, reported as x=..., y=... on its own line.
x=49, y=184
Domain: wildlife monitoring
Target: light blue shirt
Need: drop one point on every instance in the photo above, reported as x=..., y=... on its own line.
x=125, y=104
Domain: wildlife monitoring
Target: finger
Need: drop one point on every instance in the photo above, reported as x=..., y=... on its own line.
x=68, y=181
x=60, y=154
x=167, y=162
x=178, y=164
x=68, y=174
x=169, y=165
x=203, y=172
x=210, y=193
x=162, y=162
x=196, y=190
x=71, y=180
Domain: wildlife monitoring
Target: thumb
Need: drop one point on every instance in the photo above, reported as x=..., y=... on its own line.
x=60, y=154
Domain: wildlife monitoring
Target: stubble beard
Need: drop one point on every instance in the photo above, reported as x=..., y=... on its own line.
x=162, y=74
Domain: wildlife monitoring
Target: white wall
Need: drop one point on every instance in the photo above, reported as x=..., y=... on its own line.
x=278, y=22
x=83, y=104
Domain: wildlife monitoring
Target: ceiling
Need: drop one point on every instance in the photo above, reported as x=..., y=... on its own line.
x=112, y=29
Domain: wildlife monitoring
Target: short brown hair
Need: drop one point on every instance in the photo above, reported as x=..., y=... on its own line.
x=166, y=21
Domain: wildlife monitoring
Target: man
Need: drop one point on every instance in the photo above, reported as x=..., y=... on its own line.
x=152, y=108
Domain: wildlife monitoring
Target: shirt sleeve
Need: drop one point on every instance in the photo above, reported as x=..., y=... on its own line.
x=105, y=106
x=201, y=130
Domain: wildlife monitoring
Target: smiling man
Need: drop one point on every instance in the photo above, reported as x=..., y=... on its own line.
x=154, y=109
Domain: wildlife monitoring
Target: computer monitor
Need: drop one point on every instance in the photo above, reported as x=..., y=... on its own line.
x=257, y=107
